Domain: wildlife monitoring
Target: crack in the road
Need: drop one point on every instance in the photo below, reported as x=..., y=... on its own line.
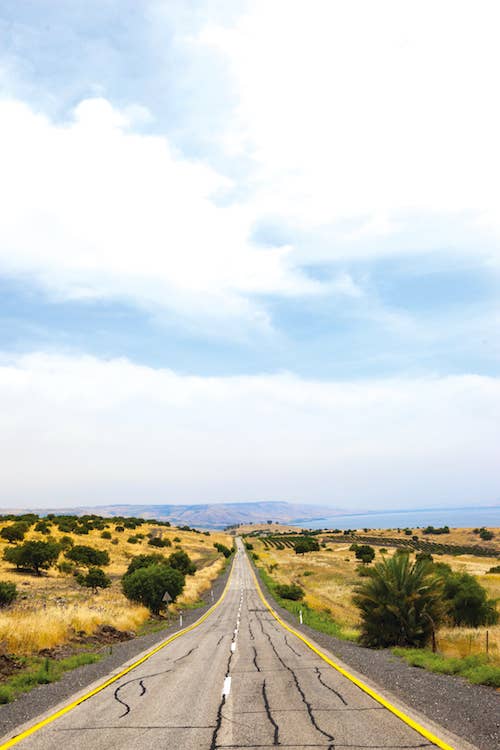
x=276, y=740
x=142, y=686
x=328, y=687
x=306, y=703
x=255, y=659
x=185, y=655
x=291, y=647
x=218, y=722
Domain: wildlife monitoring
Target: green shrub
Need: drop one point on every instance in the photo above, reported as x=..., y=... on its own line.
x=365, y=553
x=42, y=527
x=8, y=593
x=494, y=569
x=486, y=535
x=81, y=530
x=400, y=602
x=106, y=535
x=132, y=540
x=439, y=530
x=148, y=585
x=33, y=555
x=289, y=591
x=223, y=549
x=14, y=533
x=66, y=542
x=157, y=542
x=467, y=601
x=145, y=561
x=6, y=694
x=88, y=556
x=307, y=544
x=95, y=579
x=181, y=561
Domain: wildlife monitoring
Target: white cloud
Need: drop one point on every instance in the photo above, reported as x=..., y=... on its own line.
x=92, y=209
x=379, y=112
x=80, y=429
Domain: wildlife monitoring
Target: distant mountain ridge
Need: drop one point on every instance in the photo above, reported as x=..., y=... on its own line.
x=209, y=515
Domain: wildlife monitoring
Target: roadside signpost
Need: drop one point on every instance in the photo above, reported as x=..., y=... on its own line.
x=166, y=599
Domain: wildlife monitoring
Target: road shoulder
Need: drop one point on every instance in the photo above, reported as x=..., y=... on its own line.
x=471, y=713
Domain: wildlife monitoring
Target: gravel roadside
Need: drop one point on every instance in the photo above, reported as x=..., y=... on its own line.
x=469, y=711
x=42, y=698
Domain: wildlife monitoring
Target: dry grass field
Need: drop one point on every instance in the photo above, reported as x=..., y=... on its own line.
x=52, y=609
x=330, y=575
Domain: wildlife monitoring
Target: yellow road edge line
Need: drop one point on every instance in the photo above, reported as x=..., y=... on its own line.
x=49, y=719
x=383, y=702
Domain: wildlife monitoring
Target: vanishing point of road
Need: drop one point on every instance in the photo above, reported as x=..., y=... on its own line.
x=237, y=680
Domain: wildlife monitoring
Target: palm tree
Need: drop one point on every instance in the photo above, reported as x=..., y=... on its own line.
x=400, y=603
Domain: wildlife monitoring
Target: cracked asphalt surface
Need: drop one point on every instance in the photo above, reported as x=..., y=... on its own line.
x=239, y=680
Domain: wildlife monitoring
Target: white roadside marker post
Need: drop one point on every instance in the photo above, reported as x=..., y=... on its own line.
x=300, y=616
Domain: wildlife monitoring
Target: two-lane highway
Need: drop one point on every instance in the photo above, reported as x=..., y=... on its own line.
x=238, y=680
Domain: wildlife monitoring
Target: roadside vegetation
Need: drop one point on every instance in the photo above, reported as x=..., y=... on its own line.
x=63, y=590
x=442, y=605
x=29, y=672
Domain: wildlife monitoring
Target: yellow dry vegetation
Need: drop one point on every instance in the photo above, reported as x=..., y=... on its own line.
x=330, y=576
x=202, y=581
x=52, y=608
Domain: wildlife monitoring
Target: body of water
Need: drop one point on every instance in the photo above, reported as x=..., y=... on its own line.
x=453, y=517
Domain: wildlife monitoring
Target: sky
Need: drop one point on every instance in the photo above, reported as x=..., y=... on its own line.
x=249, y=250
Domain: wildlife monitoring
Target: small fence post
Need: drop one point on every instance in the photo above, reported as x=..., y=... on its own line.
x=487, y=641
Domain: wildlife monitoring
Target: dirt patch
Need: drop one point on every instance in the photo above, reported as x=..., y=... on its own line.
x=105, y=635
x=8, y=666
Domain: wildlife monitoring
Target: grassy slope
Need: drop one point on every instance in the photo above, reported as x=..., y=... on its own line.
x=478, y=669
x=41, y=671
x=52, y=607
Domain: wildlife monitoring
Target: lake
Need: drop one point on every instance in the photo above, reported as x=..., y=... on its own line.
x=453, y=517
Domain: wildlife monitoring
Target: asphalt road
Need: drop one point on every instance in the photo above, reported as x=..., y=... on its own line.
x=238, y=680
